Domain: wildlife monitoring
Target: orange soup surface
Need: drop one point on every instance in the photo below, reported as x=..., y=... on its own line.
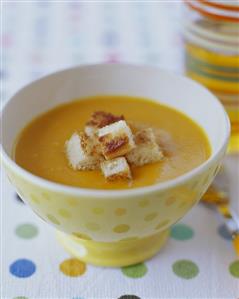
x=40, y=146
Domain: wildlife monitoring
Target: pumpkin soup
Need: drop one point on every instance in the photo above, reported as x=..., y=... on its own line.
x=40, y=147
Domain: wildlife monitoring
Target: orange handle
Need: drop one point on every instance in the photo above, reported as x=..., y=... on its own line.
x=236, y=243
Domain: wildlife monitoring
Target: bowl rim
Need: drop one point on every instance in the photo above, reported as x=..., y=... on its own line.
x=116, y=193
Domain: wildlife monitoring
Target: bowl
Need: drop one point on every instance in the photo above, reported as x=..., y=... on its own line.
x=120, y=227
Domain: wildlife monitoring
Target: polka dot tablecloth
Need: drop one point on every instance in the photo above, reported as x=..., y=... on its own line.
x=42, y=36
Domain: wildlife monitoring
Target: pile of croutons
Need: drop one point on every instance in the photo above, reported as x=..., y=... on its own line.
x=109, y=144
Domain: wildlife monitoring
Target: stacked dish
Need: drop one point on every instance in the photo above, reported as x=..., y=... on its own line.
x=211, y=32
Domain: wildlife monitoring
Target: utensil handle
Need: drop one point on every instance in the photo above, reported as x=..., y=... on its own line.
x=236, y=243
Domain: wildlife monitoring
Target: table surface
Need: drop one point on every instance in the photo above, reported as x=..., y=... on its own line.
x=39, y=37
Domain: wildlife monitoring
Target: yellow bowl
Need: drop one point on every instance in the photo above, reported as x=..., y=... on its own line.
x=114, y=228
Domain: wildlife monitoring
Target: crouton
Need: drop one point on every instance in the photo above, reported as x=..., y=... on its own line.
x=165, y=142
x=136, y=126
x=161, y=136
x=116, y=140
x=100, y=119
x=82, y=153
x=146, y=150
x=90, y=131
x=115, y=169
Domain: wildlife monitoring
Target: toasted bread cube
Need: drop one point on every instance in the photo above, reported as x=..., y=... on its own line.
x=161, y=136
x=82, y=153
x=136, y=126
x=146, y=151
x=115, y=169
x=100, y=119
x=116, y=140
x=90, y=131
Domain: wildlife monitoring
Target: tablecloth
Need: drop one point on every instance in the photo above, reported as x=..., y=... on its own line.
x=39, y=37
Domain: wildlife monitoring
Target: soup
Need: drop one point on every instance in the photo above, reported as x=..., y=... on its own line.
x=40, y=146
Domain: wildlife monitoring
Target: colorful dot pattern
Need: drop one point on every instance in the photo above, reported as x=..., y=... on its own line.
x=135, y=33
x=129, y=297
x=234, y=269
x=224, y=233
x=135, y=271
x=73, y=267
x=22, y=268
x=26, y=231
x=182, y=232
x=185, y=269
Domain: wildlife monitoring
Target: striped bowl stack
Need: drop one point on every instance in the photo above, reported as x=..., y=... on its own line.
x=211, y=34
